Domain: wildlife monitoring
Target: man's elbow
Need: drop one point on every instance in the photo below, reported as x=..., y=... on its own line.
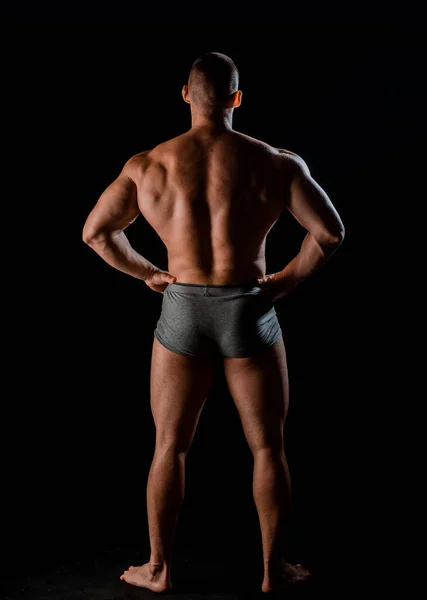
x=330, y=240
x=88, y=235
x=336, y=237
x=92, y=236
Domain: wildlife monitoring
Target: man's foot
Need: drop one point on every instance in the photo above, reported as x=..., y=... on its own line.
x=283, y=575
x=154, y=578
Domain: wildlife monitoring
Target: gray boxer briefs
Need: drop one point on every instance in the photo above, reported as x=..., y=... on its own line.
x=217, y=320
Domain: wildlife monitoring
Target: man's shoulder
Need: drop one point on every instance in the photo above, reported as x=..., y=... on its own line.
x=255, y=142
x=293, y=160
x=282, y=153
x=145, y=155
x=136, y=163
x=170, y=144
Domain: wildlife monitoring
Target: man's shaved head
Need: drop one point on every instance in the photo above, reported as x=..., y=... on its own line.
x=213, y=77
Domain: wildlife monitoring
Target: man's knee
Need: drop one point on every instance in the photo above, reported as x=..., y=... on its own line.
x=167, y=444
x=272, y=447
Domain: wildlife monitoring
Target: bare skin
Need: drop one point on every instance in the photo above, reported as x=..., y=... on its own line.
x=212, y=195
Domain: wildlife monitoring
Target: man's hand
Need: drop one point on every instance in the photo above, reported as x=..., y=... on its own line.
x=278, y=285
x=159, y=280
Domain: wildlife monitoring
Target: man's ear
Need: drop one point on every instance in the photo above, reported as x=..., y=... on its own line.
x=185, y=94
x=235, y=99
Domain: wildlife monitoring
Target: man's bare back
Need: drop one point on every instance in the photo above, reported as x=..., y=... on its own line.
x=212, y=197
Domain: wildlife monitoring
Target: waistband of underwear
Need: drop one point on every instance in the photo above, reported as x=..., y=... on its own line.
x=213, y=289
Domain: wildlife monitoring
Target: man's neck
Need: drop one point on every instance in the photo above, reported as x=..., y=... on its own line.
x=222, y=121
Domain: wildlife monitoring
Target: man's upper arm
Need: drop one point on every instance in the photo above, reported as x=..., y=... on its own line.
x=117, y=207
x=310, y=205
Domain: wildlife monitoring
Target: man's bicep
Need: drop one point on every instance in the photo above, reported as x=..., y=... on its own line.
x=117, y=207
x=311, y=206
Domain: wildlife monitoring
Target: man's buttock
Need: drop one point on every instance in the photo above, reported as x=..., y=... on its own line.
x=217, y=320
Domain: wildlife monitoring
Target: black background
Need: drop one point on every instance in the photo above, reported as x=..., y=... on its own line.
x=87, y=92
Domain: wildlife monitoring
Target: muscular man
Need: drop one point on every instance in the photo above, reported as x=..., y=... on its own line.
x=212, y=194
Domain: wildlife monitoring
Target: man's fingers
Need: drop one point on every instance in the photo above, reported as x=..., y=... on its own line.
x=266, y=278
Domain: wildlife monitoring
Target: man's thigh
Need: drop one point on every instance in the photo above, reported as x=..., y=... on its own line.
x=179, y=387
x=259, y=387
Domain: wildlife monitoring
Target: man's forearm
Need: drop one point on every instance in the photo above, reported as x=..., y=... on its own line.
x=116, y=250
x=310, y=258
